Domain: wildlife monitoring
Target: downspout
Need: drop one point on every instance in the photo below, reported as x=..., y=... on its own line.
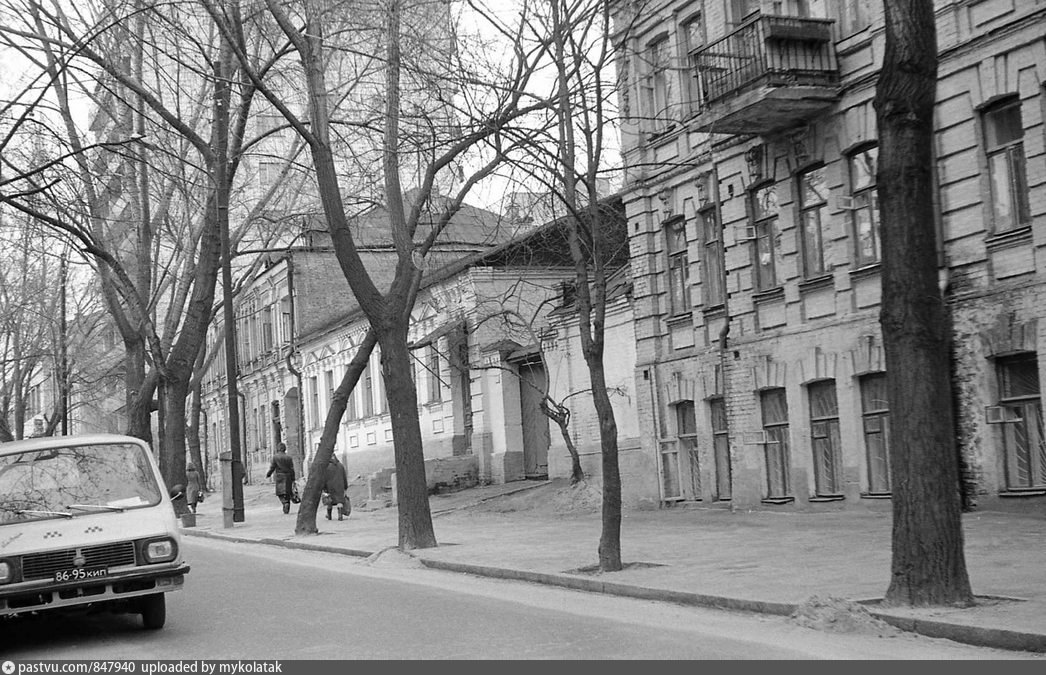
x=290, y=363
x=243, y=436
x=724, y=332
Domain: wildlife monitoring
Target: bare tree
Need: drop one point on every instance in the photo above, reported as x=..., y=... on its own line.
x=408, y=65
x=572, y=159
x=928, y=565
x=173, y=104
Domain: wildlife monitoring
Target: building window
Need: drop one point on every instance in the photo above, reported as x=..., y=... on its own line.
x=432, y=365
x=742, y=9
x=801, y=8
x=268, y=172
x=856, y=16
x=767, y=237
x=813, y=203
x=678, y=267
x=314, y=400
x=865, y=207
x=657, y=87
x=875, y=410
x=285, y=319
x=1023, y=440
x=692, y=33
x=824, y=435
x=1004, y=144
x=680, y=470
x=721, y=449
x=368, y=391
x=328, y=380
x=266, y=335
x=775, y=427
x=713, y=278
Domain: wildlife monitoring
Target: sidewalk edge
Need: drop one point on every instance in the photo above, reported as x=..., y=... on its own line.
x=979, y=636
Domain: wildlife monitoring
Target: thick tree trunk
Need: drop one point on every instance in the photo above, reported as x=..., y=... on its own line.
x=310, y=498
x=192, y=432
x=928, y=563
x=177, y=394
x=415, y=518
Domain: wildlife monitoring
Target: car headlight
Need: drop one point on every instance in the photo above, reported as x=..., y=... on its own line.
x=160, y=550
x=7, y=573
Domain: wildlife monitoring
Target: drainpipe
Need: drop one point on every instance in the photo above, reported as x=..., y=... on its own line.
x=724, y=332
x=243, y=435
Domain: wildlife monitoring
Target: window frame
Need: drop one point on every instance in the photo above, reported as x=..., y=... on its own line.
x=680, y=301
x=812, y=217
x=656, y=82
x=828, y=476
x=695, y=87
x=713, y=258
x=720, y=430
x=1030, y=405
x=778, y=430
x=865, y=199
x=434, y=388
x=875, y=424
x=1015, y=163
x=766, y=227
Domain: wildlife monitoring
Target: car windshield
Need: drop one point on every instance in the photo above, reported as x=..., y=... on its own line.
x=70, y=481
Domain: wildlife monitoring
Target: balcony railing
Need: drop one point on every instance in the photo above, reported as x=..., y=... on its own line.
x=768, y=50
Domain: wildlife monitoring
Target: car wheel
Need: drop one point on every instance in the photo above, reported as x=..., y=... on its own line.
x=154, y=611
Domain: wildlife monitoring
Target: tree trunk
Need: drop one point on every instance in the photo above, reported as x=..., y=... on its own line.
x=610, y=537
x=192, y=430
x=928, y=565
x=310, y=498
x=560, y=414
x=415, y=519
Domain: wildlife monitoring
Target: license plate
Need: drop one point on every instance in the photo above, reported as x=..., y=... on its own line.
x=79, y=574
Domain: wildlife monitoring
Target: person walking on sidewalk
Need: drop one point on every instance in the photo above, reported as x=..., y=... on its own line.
x=283, y=466
x=335, y=482
x=194, y=486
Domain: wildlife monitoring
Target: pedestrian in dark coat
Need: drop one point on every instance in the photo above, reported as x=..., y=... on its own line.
x=335, y=482
x=283, y=466
x=193, y=486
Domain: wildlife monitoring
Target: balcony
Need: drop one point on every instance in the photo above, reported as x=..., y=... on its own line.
x=771, y=73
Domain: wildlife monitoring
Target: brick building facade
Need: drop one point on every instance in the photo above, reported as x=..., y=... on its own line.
x=749, y=142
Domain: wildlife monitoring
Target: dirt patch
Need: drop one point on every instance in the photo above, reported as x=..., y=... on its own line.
x=836, y=615
x=556, y=496
x=393, y=557
x=593, y=570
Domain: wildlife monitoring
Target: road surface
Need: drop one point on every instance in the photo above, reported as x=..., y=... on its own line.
x=247, y=601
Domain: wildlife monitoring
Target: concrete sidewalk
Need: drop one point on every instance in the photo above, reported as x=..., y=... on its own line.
x=758, y=561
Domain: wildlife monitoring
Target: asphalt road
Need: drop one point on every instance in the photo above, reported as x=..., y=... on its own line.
x=245, y=601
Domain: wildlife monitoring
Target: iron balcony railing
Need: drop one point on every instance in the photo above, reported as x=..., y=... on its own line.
x=767, y=50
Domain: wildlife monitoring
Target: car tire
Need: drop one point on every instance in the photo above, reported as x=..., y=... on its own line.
x=154, y=611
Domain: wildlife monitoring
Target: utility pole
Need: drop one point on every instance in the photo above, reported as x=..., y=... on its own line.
x=221, y=119
x=63, y=355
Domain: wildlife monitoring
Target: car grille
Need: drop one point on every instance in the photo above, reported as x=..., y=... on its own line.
x=44, y=565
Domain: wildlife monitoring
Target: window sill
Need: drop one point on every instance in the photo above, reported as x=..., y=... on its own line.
x=869, y=270
x=714, y=311
x=1027, y=492
x=769, y=295
x=778, y=500
x=876, y=495
x=1008, y=238
x=677, y=319
x=816, y=283
x=433, y=404
x=827, y=498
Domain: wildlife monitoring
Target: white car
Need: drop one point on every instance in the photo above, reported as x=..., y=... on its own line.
x=86, y=524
